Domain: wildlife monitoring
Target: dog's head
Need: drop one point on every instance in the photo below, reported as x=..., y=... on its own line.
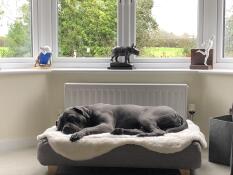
x=73, y=120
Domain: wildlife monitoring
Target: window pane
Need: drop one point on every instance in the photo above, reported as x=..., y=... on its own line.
x=166, y=28
x=15, y=28
x=86, y=28
x=228, y=27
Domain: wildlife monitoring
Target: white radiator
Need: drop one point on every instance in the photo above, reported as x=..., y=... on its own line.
x=173, y=95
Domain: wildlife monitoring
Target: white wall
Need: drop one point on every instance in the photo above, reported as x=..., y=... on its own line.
x=23, y=105
x=29, y=103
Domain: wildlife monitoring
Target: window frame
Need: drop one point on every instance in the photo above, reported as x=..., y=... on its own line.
x=44, y=23
x=177, y=59
x=220, y=35
x=126, y=14
x=34, y=38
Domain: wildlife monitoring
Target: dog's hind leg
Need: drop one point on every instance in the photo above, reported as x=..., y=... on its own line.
x=122, y=131
x=155, y=132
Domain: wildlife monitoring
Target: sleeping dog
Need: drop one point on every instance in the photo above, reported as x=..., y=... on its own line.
x=119, y=119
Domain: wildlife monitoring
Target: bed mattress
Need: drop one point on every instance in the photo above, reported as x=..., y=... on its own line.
x=127, y=156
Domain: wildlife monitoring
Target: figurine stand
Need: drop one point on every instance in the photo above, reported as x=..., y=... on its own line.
x=197, y=59
x=117, y=65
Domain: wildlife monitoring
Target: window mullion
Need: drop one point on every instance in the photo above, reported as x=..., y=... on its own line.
x=119, y=23
x=35, y=35
x=54, y=27
x=211, y=23
x=133, y=22
x=45, y=22
x=200, y=24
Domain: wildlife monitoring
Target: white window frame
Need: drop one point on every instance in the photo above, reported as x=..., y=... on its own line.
x=25, y=62
x=181, y=59
x=220, y=34
x=44, y=31
x=126, y=34
x=69, y=62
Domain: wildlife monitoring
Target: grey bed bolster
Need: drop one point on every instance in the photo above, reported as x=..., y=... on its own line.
x=127, y=156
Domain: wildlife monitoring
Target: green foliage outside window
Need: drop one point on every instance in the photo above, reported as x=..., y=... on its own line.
x=17, y=43
x=88, y=27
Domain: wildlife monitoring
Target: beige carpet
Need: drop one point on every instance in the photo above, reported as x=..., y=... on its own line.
x=24, y=162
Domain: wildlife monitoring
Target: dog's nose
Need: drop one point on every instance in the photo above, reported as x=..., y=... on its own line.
x=68, y=130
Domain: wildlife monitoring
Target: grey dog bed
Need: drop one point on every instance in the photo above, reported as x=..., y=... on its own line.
x=127, y=156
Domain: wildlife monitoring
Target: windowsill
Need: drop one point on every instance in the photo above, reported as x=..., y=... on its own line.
x=73, y=70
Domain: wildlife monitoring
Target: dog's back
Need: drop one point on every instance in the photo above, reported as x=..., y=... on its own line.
x=133, y=116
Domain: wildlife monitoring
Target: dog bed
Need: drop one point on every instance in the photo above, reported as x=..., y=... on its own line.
x=96, y=145
x=184, y=152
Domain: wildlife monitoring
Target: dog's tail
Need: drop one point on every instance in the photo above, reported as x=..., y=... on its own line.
x=183, y=126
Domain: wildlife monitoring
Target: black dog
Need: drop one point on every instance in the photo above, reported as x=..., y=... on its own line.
x=119, y=119
x=124, y=51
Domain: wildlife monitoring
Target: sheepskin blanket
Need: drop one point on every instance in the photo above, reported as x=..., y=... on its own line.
x=95, y=145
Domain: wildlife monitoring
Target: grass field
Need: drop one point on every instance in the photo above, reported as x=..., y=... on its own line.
x=4, y=51
x=162, y=52
x=158, y=52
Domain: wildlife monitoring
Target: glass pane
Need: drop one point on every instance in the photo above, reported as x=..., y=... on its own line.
x=228, y=27
x=15, y=28
x=166, y=28
x=86, y=28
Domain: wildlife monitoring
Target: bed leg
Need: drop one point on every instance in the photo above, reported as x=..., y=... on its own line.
x=185, y=172
x=52, y=170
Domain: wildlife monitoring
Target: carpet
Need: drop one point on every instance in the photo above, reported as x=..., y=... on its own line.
x=114, y=171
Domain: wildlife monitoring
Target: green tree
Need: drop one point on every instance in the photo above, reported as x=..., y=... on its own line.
x=87, y=24
x=146, y=24
x=19, y=35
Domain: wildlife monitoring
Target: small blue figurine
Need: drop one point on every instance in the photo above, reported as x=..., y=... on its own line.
x=44, y=58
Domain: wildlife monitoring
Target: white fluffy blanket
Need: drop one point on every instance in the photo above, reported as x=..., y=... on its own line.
x=95, y=145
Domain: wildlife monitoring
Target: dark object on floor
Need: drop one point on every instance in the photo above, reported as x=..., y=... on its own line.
x=123, y=51
x=231, y=112
x=220, y=138
x=143, y=121
x=114, y=171
x=231, y=159
x=197, y=59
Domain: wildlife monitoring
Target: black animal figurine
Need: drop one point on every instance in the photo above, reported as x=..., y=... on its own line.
x=123, y=51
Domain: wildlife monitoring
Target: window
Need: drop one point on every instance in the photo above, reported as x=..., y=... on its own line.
x=228, y=29
x=15, y=28
x=166, y=28
x=86, y=28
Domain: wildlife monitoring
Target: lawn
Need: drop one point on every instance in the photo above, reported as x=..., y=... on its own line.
x=158, y=52
x=4, y=51
x=163, y=52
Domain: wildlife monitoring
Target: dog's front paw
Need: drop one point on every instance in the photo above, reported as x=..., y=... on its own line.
x=76, y=136
x=117, y=131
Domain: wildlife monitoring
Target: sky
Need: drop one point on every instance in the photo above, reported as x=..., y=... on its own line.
x=176, y=16
x=229, y=8
x=10, y=13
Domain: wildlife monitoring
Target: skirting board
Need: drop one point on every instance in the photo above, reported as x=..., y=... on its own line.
x=15, y=144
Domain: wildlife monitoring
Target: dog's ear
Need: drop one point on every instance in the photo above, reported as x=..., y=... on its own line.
x=82, y=110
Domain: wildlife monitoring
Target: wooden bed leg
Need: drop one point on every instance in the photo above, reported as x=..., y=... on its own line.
x=185, y=172
x=52, y=170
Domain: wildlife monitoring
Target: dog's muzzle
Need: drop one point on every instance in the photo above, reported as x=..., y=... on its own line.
x=69, y=129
